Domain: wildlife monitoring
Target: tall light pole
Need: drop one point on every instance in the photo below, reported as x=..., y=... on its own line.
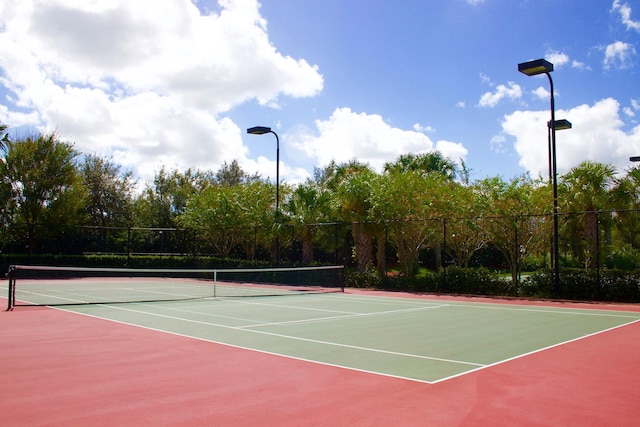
x=561, y=124
x=533, y=68
x=261, y=130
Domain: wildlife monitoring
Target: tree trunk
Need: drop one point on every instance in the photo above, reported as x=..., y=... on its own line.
x=364, y=246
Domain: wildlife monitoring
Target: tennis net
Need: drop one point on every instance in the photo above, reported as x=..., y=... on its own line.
x=47, y=285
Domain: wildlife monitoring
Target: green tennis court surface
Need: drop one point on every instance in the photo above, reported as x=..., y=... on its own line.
x=416, y=339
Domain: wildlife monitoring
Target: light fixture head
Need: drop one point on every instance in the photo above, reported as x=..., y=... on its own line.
x=538, y=66
x=561, y=124
x=258, y=130
x=634, y=159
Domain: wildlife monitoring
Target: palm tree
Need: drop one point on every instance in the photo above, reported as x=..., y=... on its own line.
x=352, y=185
x=626, y=196
x=306, y=208
x=430, y=163
x=587, y=188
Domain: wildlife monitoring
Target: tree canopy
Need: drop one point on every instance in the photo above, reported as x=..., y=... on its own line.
x=415, y=206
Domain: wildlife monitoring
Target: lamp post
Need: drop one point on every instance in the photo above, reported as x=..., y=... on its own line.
x=261, y=130
x=561, y=124
x=533, y=68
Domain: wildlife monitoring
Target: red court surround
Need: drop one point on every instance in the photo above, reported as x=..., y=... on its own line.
x=60, y=368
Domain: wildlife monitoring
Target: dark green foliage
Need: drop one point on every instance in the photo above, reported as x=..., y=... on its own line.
x=575, y=284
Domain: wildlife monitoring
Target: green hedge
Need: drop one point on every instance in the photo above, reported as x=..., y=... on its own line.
x=575, y=284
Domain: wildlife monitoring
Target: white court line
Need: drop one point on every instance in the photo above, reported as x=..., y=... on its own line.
x=535, y=351
x=349, y=316
x=497, y=306
x=329, y=343
x=240, y=347
x=477, y=368
x=346, y=314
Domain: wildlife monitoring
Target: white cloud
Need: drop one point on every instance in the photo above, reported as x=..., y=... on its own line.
x=596, y=135
x=541, y=93
x=579, y=65
x=491, y=99
x=367, y=137
x=625, y=14
x=153, y=78
x=484, y=79
x=558, y=59
x=461, y=104
x=497, y=144
x=424, y=129
x=618, y=55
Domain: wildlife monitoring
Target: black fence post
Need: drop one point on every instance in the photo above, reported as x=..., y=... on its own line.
x=128, y=246
x=597, y=255
x=517, y=254
x=443, y=255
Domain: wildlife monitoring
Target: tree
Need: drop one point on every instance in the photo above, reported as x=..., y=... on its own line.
x=514, y=221
x=435, y=165
x=109, y=192
x=4, y=136
x=163, y=202
x=432, y=163
x=226, y=214
x=411, y=203
x=233, y=174
x=308, y=205
x=587, y=188
x=42, y=179
x=352, y=186
x=465, y=232
x=626, y=199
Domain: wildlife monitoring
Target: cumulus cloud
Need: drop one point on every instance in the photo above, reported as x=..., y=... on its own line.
x=490, y=99
x=597, y=135
x=424, y=129
x=541, y=93
x=367, y=137
x=625, y=14
x=152, y=78
x=618, y=55
x=558, y=59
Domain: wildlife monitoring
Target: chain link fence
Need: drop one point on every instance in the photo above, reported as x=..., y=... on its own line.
x=511, y=248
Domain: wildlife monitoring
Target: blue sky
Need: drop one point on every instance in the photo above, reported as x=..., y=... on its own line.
x=177, y=83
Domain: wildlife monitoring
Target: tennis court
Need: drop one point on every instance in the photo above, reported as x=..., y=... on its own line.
x=426, y=341
x=410, y=339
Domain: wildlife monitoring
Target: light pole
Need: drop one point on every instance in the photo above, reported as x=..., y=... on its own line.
x=561, y=124
x=261, y=130
x=533, y=68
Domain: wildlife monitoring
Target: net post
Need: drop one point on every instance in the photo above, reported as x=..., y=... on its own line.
x=215, y=281
x=12, y=284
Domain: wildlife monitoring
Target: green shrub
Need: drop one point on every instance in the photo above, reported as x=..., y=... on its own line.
x=363, y=279
x=624, y=258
